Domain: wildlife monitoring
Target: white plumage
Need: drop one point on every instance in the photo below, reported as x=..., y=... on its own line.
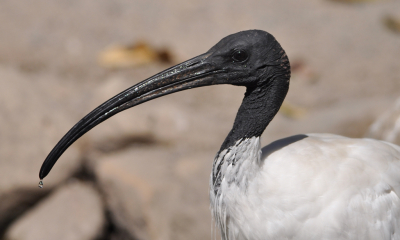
x=319, y=187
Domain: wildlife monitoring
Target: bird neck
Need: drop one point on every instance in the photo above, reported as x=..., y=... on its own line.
x=259, y=106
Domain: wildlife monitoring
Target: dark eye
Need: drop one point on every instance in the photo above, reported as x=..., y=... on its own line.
x=239, y=55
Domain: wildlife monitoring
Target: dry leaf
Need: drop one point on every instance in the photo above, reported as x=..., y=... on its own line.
x=291, y=111
x=303, y=71
x=132, y=56
x=392, y=23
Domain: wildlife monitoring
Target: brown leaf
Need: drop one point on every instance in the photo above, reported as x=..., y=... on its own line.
x=303, y=71
x=392, y=23
x=291, y=111
x=132, y=56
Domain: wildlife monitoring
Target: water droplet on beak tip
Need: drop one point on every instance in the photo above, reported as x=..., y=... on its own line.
x=40, y=184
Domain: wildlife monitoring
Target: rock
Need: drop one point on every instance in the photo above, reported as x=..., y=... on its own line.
x=31, y=123
x=157, y=192
x=349, y=118
x=387, y=125
x=72, y=212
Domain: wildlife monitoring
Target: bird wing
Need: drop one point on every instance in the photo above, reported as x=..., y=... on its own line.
x=323, y=185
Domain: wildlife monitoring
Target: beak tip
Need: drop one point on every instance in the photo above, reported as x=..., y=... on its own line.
x=40, y=185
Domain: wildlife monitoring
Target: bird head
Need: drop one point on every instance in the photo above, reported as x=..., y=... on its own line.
x=246, y=58
x=250, y=58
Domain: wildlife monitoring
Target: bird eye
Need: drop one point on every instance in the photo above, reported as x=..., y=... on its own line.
x=239, y=55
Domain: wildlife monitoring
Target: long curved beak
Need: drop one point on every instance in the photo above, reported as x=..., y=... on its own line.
x=193, y=73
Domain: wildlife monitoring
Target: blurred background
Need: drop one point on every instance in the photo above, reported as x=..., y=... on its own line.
x=144, y=173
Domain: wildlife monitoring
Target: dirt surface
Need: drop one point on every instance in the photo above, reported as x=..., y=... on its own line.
x=345, y=74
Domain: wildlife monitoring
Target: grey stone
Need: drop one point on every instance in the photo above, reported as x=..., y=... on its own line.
x=158, y=192
x=72, y=212
x=32, y=121
x=350, y=118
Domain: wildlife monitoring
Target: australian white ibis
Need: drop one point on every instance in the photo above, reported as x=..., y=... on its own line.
x=314, y=186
